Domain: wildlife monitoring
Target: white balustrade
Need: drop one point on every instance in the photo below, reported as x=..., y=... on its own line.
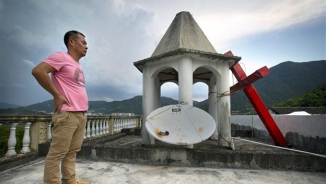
x=94, y=128
x=26, y=139
x=12, y=141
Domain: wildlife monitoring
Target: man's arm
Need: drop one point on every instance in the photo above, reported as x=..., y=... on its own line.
x=41, y=74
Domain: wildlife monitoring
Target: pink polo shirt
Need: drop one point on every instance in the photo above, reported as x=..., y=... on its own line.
x=69, y=80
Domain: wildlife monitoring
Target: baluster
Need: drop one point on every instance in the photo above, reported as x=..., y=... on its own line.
x=97, y=128
x=104, y=126
x=115, y=125
x=26, y=139
x=48, y=132
x=119, y=125
x=107, y=125
x=123, y=123
x=109, y=122
x=12, y=141
x=101, y=127
x=88, y=130
x=93, y=128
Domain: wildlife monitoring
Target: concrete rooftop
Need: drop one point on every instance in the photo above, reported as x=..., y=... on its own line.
x=100, y=172
x=122, y=159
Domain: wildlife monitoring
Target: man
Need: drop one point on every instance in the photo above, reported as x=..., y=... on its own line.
x=70, y=106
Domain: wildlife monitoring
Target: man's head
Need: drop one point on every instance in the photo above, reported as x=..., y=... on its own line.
x=76, y=43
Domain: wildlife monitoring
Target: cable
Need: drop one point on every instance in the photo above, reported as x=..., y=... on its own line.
x=315, y=154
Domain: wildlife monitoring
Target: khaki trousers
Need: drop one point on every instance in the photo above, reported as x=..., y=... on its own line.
x=67, y=138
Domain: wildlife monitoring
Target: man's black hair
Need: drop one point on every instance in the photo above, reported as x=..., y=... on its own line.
x=71, y=34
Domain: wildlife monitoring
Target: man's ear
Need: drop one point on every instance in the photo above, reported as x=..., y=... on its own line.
x=71, y=42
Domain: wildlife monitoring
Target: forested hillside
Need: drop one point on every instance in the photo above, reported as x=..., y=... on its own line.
x=286, y=80
x=314, y=98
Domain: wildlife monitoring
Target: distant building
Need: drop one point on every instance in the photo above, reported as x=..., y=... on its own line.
x=288, y=110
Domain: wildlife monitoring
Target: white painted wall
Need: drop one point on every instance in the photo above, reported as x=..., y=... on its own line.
x=308, y=126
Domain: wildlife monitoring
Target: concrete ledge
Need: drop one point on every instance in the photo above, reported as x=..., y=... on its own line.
x=246, y=156
x=18, y=160
x=43, y=148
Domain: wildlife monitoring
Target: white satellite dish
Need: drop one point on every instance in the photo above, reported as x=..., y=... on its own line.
x=180, y=124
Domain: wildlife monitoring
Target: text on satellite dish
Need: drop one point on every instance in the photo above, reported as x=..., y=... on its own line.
x=176, y=110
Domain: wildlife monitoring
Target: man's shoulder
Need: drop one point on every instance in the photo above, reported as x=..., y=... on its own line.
x=60, y=56
x=57, y=55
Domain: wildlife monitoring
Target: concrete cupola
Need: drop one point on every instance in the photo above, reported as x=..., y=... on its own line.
x=185, y=56
x=185, y=33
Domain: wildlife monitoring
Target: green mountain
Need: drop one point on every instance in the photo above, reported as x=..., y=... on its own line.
x=314, y=98
x=133, y=105
x=20, y=111
x=286, y=80
x=4, y=105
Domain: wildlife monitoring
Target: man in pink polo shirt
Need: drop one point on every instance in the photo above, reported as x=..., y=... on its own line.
x=67, y=86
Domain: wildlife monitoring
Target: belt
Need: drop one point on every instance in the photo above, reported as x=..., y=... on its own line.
x=78, y=111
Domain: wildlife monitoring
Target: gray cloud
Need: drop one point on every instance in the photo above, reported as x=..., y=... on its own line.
x=121, y=32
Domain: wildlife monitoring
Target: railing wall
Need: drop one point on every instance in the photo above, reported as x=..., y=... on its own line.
x=307, y=133
x=37, y=129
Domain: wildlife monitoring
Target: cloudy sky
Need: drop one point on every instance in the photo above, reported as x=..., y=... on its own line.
x=120, y=32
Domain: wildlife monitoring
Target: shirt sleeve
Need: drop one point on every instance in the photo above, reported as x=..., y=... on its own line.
x=56, y=60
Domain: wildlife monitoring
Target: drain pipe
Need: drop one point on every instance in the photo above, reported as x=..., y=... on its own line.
x=289, y=149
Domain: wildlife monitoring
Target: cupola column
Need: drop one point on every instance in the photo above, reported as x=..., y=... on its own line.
x=185, y=80
x=212, y=101
x=223, y=106
x=149, y=99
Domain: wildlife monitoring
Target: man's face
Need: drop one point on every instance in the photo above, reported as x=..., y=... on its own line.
x=80, y=45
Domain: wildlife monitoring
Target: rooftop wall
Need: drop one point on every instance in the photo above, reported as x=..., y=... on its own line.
x=307, y=133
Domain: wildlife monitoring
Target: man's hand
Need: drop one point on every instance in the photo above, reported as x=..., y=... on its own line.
x=58, y=102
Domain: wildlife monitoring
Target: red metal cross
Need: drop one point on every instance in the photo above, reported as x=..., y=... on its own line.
x=245, y=83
